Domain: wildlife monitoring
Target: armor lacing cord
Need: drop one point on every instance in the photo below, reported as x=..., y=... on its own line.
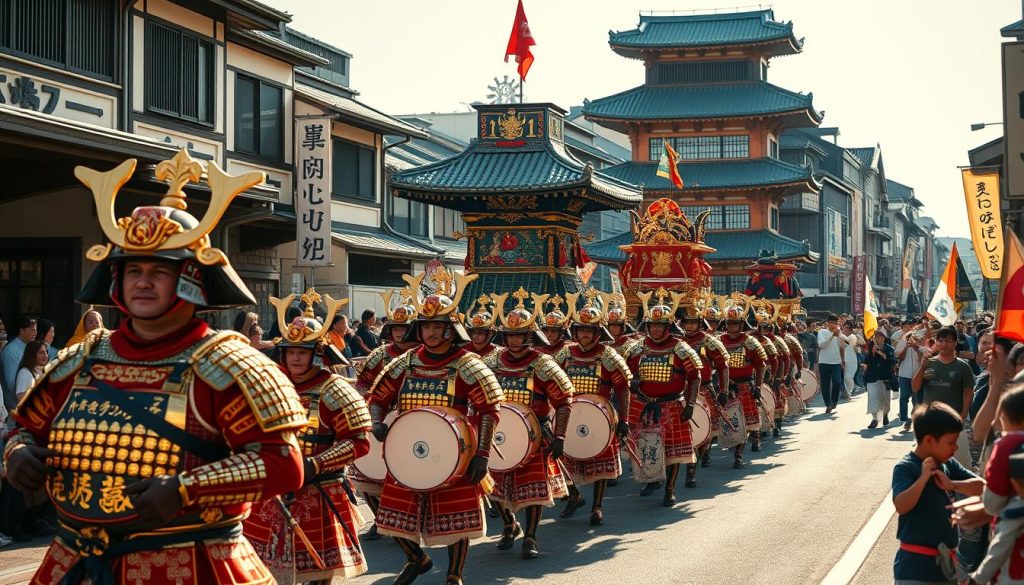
x=457, y=557
x=533, y=515
x=599, y=487
x=561, y=421
x=486, y=434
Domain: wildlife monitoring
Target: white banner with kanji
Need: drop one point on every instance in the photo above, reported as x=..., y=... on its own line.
x=313, y=191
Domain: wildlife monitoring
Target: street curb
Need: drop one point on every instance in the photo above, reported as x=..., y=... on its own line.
x=846, y=568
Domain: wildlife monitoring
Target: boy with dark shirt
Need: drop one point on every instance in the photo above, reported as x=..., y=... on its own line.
x=923, y=485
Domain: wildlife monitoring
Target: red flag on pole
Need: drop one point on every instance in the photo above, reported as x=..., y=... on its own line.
x=1010, y=316
x=520, y=41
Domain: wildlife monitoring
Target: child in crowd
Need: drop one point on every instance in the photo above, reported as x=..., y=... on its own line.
x=998, y=489
x=1005, y=551
x=923, y=483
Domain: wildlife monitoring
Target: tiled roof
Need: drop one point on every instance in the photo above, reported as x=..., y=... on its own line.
x=381, y=243
x=714, y=175
x=490, y=282
x=1013, y=30
x=675, y=102
x=350, y=108
x=729, y=246
x=865, y=155
x=704, y=30
x=454, y=251
x=484, y=168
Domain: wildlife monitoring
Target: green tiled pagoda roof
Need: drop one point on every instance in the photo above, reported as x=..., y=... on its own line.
x=682, y=102
x=536, y=167
x=704, y=30
x=729, y=246
x=510, y=281
x=757, y=172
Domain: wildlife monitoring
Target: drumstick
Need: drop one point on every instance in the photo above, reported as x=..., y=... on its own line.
x=294, y=524
x=561, y=467
x=632, y=453
x=497, y=450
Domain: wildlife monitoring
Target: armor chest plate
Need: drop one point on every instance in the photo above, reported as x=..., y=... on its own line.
x=737, y=356
x=309, y=436
x=655, y=367
x=517, y=385
x=101, y=450
x=427, y=387
x=585, y=376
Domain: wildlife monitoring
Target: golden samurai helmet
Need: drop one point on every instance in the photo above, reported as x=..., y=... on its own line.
x=483, y=318
x=520, y=319
x=444, y=289
x=735, y=307
x=401, y=314
x=166, y=232
x=555, y=318
x=663, y=311
x=765, y=312
x=591, y=314
x=615, y=311
x=305, y=330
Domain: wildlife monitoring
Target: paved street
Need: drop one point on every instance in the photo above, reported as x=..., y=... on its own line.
x=787, y=518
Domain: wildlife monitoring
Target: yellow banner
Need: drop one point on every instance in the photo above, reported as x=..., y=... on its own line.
x=981, y=190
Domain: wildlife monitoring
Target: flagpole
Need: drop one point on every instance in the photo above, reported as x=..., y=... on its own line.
x=521, y=82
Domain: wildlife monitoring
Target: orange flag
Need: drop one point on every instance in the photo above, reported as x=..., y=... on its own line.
x=1010, y=318
x=520, y=41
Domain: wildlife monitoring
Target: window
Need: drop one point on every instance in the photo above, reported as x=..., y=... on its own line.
x=846, y=236
x=367, y=270
x=76, y=35
x=725, y=284
x=447, y=222
x=703, y=72
x=352, y=171
x=409, y=217
x=836, y=235
x=774, y=212
x=773, y=147
x=179, y=74
x=703, y=147
x=851, y=172
x=259, y=118
x=728, y=217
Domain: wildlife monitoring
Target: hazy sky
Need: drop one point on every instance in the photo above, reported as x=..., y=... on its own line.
x=911, y=75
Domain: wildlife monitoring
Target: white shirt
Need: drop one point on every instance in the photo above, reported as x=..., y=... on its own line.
x=911, y=359
x=23, y=382
x=828, y=348
x=849, y=350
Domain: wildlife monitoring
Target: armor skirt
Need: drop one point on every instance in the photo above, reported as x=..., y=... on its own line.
x=674, y=432
x=538, y=482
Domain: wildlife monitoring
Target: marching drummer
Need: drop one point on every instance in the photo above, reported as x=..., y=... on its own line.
x=783, y=380
x=533, y=380
x=555, y=326
x=482, y=328
x=747, y=364
x=788, y=332
x=667, y=375
x=599, y=371
x=393, y=344
x=714, y=362
x=336, y=435
x=440, y=372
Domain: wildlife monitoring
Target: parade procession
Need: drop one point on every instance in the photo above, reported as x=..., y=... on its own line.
x=652, y=338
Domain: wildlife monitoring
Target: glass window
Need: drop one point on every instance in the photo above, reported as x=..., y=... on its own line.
x=775, y=218
x=447, y=222
x=725, y=284
x=259, y=118
x=703, y=147
x=409, y=217
x=728, y=217
x=352, y=171
x=737, y=217
x=773, y=148
x=180, y=70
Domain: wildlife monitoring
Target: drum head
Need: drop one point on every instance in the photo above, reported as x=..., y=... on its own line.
x=515, y=436
x=590, y=428
x=700, y=426
x=372, y=464
x=807, y=385
x=768, y=399
x=422, y=450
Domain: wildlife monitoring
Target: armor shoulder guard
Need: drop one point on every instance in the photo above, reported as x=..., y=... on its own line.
x=472, y=370
x=562, y=355
x=612, y=360
x=227, y=358
x=755, y=346
x=491, y=360
x=376, y=357
x=769, y=347
x=714, y=345
x=794, y=344
x=338, y=395
x=686, y=353
x=71, y=359
x=633, y=348
x=394, y=368
x=781, y=344
x=547, y=370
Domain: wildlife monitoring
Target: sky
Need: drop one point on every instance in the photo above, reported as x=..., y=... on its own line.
x=910, y=75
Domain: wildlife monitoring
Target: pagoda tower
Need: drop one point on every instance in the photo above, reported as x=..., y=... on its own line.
x=706, y=93
x=522, y=196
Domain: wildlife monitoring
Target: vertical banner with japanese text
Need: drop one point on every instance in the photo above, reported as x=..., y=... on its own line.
x=858, y=283
x=981, y=190
x=313, y=191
